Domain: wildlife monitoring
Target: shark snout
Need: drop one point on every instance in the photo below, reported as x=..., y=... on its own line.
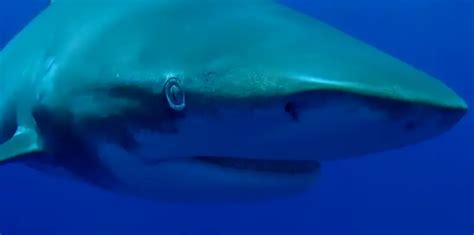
x=330, y=124
x=410, y=115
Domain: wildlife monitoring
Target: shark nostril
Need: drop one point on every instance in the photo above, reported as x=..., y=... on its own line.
x=411, y=125
x=291, y=109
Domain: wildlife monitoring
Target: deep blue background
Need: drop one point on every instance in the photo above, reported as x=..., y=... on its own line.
x=423, y=189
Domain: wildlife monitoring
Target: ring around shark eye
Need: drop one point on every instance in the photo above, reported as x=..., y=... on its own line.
x=175, y=94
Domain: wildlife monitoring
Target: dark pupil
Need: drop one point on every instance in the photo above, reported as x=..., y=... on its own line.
x=175, y=95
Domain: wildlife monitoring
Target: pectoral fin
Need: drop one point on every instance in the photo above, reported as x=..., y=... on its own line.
x=24, y=141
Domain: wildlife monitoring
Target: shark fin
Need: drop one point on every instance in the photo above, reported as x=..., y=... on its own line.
x=24, y=141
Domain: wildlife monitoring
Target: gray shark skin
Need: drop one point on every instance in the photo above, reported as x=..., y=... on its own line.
x=205, y=100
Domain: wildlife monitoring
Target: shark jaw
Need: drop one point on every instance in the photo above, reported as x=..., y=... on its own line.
x=206, y=178
x=243, y=152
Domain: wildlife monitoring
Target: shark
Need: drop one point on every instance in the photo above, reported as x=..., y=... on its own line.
x=205, y=100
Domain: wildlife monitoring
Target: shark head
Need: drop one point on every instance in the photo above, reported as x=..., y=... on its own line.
x=240, y=99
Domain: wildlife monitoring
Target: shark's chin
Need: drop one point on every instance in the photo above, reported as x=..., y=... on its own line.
x=224, y=179
x=206, y=178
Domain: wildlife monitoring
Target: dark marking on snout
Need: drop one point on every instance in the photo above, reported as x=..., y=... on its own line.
x=292, y=110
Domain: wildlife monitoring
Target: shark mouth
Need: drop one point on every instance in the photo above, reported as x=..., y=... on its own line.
x=263, y=166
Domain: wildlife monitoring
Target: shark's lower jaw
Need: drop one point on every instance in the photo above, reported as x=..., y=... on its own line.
x=206, y=178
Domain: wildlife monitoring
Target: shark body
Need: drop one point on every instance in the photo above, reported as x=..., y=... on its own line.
x=206, y=99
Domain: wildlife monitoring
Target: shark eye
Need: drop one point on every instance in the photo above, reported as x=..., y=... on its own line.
x=175, y=94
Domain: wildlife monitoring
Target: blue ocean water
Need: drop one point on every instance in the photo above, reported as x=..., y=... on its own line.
x=422, y=189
